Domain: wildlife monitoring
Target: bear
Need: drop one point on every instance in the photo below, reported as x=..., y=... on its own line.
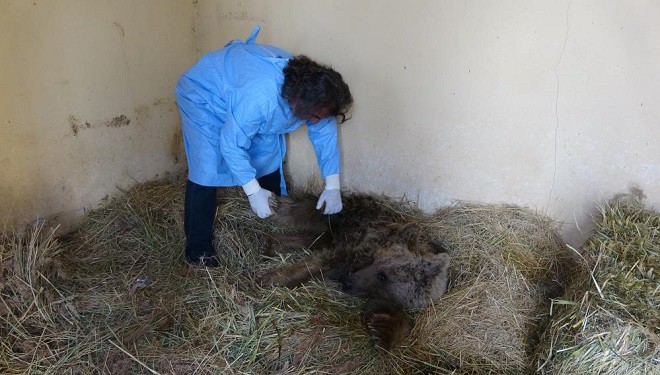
x=374, y=251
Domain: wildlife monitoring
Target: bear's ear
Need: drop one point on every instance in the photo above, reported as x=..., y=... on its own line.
x=437, y=247
x=411, y=234
x=437, y=269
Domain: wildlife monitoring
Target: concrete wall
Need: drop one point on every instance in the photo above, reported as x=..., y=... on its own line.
x=87, y=100
x=551, y=105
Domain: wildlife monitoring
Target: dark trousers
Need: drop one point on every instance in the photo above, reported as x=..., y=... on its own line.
x=199, y=214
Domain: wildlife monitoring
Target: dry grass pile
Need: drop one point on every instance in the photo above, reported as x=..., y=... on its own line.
x=38, y=322
x=116, y=297
x=609, y=320
x=506, y=262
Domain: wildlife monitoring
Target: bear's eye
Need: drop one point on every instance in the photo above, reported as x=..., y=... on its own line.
x=381, y=276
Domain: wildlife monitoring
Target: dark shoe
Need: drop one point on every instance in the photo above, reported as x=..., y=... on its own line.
x=207, y=261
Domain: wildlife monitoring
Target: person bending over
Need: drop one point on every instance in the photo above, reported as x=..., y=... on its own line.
x=236, y=105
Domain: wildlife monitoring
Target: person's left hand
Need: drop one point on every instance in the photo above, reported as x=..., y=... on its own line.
x=332, y=200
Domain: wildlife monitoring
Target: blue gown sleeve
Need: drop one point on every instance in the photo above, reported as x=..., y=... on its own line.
x=241, y=125
x=323, y=136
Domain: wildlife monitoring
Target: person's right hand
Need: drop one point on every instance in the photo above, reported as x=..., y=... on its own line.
x=260, y=203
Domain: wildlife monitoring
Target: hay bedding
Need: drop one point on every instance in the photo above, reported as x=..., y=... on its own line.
x=115, y=297
x=608, y=322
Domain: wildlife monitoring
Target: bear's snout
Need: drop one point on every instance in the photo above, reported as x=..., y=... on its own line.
x=347, y=284
x=353, y=285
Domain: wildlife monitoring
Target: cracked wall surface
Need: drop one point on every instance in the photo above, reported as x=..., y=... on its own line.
x=550, y=105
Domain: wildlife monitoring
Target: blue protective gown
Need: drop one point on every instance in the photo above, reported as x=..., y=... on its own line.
x=234, y=118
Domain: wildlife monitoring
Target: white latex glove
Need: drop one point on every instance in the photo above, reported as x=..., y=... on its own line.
x=259, y=198
x=331, y=196
x=260, y=203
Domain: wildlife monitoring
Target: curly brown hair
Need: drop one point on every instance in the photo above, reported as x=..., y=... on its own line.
x=313, y=86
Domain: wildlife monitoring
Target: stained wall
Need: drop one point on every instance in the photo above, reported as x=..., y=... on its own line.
x=87, y=102
x=550, y=105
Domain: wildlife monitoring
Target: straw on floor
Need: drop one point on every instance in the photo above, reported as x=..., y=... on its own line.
x=609, y=320
x=115, y=296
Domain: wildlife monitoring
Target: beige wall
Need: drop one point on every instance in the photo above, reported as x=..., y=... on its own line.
x=551, y=105
x=87, y=100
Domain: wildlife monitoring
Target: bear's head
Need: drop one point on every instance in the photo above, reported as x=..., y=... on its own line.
x=405, y=272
